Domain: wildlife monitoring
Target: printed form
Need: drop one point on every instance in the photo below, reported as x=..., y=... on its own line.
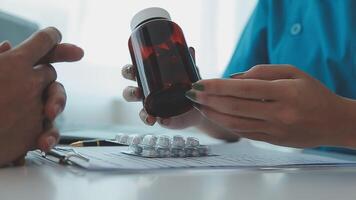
x=237, y=155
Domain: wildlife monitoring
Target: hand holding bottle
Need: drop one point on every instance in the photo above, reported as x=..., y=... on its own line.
x=134, y=94
x=192, y=118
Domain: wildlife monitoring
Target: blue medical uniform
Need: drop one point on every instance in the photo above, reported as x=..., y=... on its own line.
x=317, y=36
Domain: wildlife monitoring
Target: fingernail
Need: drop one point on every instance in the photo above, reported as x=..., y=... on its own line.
x=191, y=95
x=236, y=75
x=51, y=142
x=7, y=43
x=149, y=121
x=198, y=86
x=59, y=34
x=128, y=71
x=133, y=92
x=80, y=51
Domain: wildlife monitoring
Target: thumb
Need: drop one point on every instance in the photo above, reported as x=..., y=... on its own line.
x=269, y=72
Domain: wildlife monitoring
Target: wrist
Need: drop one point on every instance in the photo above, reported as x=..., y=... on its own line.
x=347, y=123
x=216, y=131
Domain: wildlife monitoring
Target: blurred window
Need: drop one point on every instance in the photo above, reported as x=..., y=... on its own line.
x=94, y=85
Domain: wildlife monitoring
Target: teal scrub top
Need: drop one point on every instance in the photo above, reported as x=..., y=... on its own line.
x=317, y=36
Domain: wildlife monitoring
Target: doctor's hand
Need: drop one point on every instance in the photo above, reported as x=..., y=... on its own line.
x=278, y=104
x=192, y=118
x=134, y=94
x=32, y=99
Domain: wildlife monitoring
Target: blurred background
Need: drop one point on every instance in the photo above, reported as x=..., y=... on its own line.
x=94, y=85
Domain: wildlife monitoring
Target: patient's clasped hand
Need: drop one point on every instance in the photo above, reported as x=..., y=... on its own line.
x=31, y=98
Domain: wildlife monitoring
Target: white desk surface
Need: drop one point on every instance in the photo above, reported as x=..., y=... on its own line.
x=37, y=182
x=46, y=182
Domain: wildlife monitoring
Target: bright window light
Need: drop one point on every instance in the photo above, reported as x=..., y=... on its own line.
x=94, y=85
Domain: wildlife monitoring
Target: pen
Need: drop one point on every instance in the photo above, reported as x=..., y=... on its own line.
x=93, y=143
x=68, y=139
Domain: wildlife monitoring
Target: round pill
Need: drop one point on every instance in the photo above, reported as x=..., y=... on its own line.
x=134, y=140
x=164, y=141
x=149, y=140
x=192, y=142
x=136, y=149
x=178, y=141
x=123, y=139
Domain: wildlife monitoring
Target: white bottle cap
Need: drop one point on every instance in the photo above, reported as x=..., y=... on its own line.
x=149, y=13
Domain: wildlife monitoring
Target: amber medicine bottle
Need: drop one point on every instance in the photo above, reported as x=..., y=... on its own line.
x=165, y=68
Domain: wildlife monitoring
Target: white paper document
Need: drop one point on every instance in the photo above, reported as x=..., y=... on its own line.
x=239, y=155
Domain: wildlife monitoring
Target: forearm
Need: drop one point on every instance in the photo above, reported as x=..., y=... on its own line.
x=347, y=124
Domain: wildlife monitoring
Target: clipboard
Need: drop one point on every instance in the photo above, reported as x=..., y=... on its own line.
x=65, y=156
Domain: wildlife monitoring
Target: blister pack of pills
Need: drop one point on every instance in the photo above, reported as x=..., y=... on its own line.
x=151, y=146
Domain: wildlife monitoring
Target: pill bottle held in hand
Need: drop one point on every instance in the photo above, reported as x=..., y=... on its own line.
x=165, y=68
